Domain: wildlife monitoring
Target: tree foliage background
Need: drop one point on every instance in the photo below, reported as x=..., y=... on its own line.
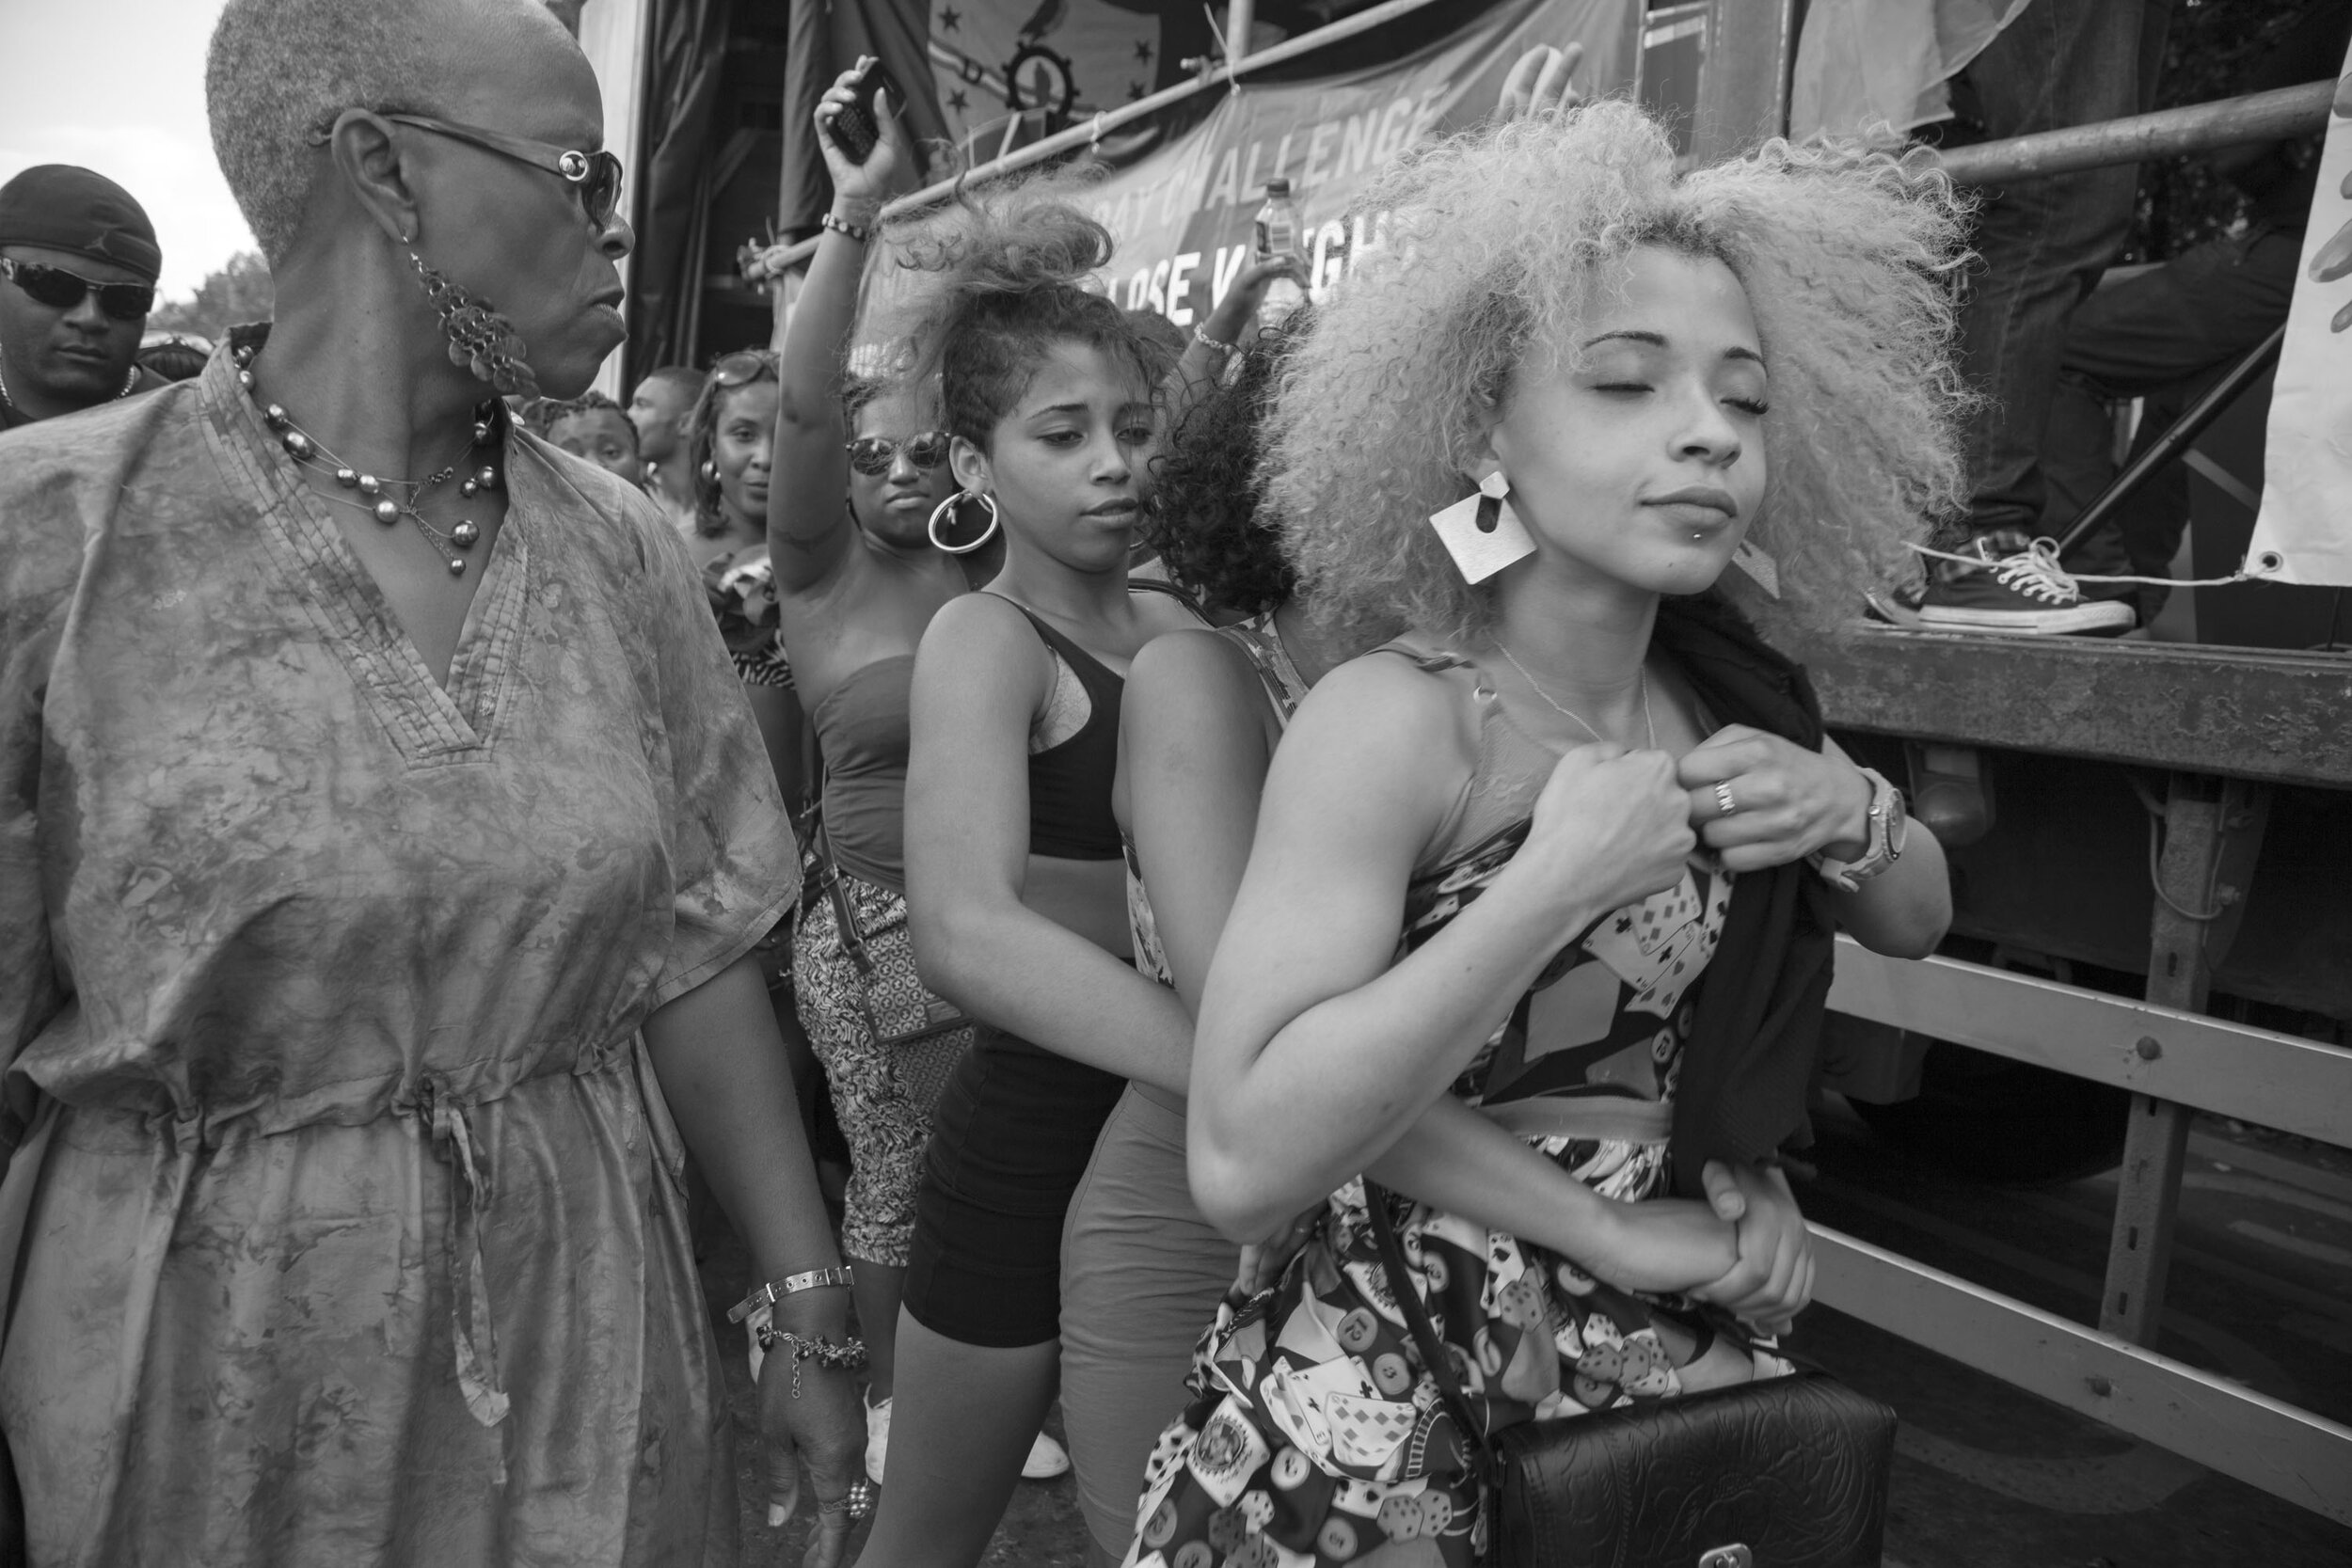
x=239, y=293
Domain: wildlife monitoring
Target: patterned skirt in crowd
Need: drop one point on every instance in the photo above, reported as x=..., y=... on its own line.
x=1316, y=1438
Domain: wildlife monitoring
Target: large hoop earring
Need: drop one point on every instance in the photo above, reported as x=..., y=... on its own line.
x=946, y=510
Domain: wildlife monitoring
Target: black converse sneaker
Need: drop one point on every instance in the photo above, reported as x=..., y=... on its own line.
x=2020, y=590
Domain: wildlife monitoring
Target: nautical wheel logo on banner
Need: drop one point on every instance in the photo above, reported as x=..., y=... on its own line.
x=1046, y=63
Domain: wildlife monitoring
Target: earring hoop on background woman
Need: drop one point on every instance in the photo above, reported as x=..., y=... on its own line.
x=948, y=507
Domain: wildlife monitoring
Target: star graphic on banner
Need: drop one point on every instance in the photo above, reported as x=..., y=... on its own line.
x=1143, y=49
x=956, y=101
x=1134, y=91
x=950, y=19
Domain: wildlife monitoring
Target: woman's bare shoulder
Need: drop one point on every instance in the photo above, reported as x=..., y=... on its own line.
x=1385, y=720
x=1192, y=677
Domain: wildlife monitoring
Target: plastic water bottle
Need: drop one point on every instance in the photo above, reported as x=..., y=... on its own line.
x=1278, y=232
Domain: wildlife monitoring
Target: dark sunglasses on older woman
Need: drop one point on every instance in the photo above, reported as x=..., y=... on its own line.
x=872, y=455
x=594, y=177
x=61, y=289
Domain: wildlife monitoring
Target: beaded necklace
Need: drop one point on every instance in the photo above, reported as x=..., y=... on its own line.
x=383, y=498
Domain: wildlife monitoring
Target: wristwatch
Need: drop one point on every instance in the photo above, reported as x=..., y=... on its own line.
x=1890, y=827
x=775, y=1290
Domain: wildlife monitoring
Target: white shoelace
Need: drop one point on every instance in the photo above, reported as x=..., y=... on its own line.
x=2035, y=572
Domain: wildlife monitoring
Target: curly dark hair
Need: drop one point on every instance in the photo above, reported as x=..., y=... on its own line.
x=544, y=414
x=1206, y=518
x=745, y=367
x=1009, y=286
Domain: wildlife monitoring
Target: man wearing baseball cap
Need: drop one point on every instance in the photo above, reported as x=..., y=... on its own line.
x=78, y=263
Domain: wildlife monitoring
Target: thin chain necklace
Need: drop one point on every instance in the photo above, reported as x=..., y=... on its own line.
x=380, y=498
x=1649, y=723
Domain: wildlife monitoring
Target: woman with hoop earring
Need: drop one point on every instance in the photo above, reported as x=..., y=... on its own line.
x=947, y=522
x=857, y=581
x=1015, y=872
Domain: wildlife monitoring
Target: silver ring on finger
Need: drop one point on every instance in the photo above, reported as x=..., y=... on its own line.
x=1724, y=805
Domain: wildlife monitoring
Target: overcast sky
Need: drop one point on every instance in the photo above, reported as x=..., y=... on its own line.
x=117, y=85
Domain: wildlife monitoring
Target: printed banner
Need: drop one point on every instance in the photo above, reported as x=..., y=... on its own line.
x=2304, y=532
x=1183, y=215
x=1182, y=212
x=1071, y=58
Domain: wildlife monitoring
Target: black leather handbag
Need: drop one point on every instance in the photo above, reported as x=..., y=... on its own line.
x=1791, y=1472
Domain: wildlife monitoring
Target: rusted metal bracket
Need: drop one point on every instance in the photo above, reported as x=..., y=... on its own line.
x=2213, y=831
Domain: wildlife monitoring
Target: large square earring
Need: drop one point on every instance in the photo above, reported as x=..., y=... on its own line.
x=1482, y=533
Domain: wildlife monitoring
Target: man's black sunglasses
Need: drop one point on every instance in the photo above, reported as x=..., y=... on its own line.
x=872, y=455
x=594, y=177
x=61, y=289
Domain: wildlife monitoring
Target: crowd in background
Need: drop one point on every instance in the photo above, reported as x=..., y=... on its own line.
x=1223, y=819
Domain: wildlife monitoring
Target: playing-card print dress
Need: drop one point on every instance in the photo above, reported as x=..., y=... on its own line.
x=1314, y=1437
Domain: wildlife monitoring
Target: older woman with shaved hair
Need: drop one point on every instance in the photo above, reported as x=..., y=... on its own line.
x=383, y=843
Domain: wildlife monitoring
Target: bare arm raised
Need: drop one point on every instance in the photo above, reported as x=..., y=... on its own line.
x=809, y=524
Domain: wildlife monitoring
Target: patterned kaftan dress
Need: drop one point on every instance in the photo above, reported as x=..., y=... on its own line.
x=1314, y=1437
x=349, y=1226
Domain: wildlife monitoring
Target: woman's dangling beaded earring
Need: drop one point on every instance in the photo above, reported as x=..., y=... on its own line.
x=479, y=340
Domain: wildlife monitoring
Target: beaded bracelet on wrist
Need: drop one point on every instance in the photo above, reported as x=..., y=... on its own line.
x=1201, y=336
x=850, y=1355
x=857, y=232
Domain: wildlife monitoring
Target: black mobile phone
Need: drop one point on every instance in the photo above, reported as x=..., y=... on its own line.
x=856, y=130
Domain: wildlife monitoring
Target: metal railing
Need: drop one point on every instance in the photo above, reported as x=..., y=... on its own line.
x=775, y=262
x=2169, y=1058
x=2179, y=708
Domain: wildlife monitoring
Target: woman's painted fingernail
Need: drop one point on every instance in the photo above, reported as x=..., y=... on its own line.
x=775, y=1516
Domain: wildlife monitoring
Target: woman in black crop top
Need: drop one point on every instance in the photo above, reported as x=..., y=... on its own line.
x=1015, y=879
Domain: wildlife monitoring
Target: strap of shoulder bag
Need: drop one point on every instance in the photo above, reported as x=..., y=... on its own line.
x=1433, y=1352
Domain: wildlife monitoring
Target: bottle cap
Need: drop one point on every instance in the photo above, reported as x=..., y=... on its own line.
x=1279, y=186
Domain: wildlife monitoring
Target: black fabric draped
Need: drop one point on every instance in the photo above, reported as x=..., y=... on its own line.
x=682, y=93
x=1756, y=1037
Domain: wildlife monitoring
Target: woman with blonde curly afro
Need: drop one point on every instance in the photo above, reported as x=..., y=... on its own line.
x=1568, y=856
